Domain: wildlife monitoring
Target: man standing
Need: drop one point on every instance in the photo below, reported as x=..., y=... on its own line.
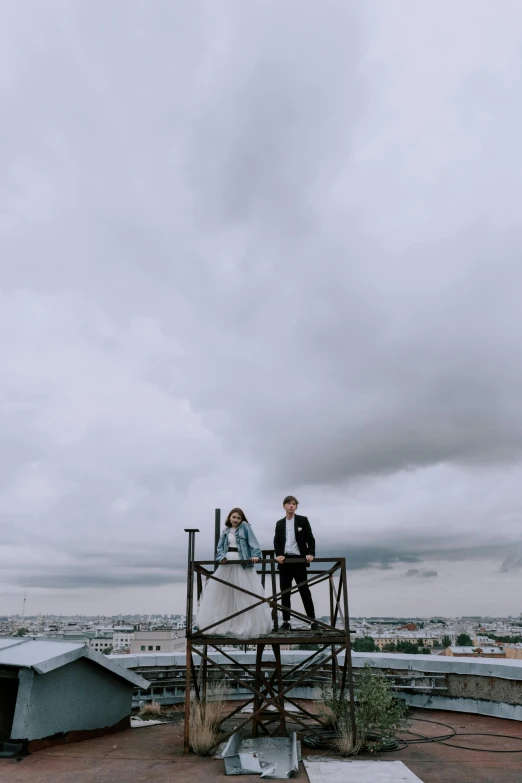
x=294, y=539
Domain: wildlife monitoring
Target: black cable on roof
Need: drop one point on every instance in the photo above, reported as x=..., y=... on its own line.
x=326, y=739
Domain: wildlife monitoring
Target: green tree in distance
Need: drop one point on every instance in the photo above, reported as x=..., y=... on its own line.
x=407, y=647
x=463, y=640
x=509, y=639
x=366, y=644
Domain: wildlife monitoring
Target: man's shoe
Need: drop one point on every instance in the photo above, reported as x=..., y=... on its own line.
x=315, y=627
x=286, y=627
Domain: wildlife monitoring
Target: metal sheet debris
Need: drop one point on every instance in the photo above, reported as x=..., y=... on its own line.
x=272, y=758
x=272, y=708
x=337, y=771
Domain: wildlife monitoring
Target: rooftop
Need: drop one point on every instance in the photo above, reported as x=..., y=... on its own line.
x=157, y=753
x=46, y=655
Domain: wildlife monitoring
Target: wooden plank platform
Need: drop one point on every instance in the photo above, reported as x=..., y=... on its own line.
x=297, y=636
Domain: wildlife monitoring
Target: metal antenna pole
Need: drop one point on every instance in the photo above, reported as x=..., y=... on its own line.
x=217, y=530
x=188, y=631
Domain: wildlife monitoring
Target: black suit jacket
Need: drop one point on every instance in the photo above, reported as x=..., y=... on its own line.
x=303, y=536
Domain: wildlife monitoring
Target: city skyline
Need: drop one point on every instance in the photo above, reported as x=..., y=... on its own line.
x=252, y=249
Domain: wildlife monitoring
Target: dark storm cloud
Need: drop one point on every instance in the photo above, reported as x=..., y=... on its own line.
x=142, y=566
x=148, y=564
x=368, y=556
x=401, y=354
x=252, y=248
x=74, y=578
x=406, y=547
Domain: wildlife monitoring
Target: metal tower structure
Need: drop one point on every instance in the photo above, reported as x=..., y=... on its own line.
x=267, y=683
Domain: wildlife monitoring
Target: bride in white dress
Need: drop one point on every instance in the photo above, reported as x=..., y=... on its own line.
x=237, y=542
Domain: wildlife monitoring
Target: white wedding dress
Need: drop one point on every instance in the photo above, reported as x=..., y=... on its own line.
x=219, y=600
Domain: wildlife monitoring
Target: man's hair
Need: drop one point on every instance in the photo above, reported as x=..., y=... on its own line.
x=289, y=499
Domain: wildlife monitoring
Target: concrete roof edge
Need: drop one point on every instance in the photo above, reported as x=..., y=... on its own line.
x=504, y=668
x=59, y=660
x=13, y=641
x=117, y=669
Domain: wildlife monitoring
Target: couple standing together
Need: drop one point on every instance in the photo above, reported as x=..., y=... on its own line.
x=293, y=539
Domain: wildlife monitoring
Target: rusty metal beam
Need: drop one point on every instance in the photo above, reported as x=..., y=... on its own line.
x=189, y=664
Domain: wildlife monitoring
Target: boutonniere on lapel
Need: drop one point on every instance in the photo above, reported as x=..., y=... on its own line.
x=299, y=529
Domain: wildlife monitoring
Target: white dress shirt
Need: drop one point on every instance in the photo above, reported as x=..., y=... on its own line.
x=291, y=547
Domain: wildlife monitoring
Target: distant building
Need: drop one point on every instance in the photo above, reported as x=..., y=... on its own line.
x=475, y=652
x=480, y=641
x=415, y=637
x=513, y=651
x=100, y=643
x=157, y=641
x=122, y=639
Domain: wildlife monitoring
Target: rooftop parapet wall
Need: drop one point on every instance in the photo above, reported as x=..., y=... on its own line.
x=436, y=664
x=486, y=686
x=441, y=664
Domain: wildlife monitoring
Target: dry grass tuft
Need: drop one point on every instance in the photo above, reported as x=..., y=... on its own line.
x=344, y=742
x=150, y=711
x=205, y=717
x=327, y=714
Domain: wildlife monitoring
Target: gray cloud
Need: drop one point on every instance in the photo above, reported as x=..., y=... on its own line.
x=255, y=248
x=420, y=574
x=513, y=560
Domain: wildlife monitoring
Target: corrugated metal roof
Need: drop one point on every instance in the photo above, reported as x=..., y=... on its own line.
x=32, y=652
x=45, y=656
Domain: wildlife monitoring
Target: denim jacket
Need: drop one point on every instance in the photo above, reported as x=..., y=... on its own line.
x=246, y=542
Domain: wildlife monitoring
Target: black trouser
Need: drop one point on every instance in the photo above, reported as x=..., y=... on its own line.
x=289, y=572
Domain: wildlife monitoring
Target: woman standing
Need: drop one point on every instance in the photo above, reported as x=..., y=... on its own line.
x=237, y=542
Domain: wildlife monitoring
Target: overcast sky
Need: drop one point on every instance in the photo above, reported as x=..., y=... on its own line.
x=253, y=248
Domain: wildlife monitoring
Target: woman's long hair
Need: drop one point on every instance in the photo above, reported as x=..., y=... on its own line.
x=240, y=511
